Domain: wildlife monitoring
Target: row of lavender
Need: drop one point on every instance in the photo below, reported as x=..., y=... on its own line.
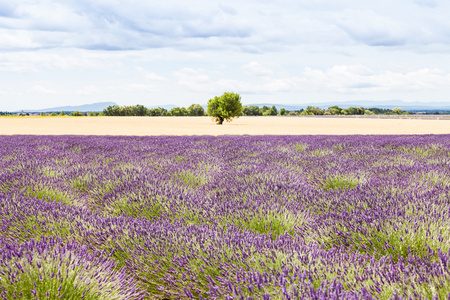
x=319, y=217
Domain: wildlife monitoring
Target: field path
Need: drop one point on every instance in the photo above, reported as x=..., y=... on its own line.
x=204, y=126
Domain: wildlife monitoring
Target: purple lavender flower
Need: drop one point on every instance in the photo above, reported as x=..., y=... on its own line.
x=254, y=217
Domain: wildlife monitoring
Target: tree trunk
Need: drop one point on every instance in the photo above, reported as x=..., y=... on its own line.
x=220, y=121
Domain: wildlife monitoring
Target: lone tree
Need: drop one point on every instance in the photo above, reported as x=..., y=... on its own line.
x=397, y=110
x=225, y=107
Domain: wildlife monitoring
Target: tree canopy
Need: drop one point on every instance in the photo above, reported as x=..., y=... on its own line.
x=196, y=110
x=225, y=107
x=141, y=110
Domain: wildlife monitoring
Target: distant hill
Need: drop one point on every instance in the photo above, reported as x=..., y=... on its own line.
x=366, y=104
x=96, y=107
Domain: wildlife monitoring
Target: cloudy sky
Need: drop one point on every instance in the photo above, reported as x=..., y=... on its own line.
x=71, y=52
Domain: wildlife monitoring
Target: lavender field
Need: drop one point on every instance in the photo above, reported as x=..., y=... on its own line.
x=250, y=217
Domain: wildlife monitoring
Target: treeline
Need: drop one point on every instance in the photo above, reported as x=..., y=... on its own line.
x=140, y=110
x=432, y=112
x=76, y=114
x=254, y=110
x=338, y=111
x=52, y=114
x=198, y=110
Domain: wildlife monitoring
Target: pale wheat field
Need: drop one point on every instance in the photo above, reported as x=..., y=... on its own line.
x=142, y=126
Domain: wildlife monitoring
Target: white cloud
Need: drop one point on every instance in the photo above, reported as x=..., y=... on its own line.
x=139, y=87
x=360, y=79
x=49, y=16
x=228, y=9
x=128, y=24
x=198, y=81
x=150, y=76
x=87, y=90
x=61, y=59
x=16, y=39
x=103, y=50
x=43, y=90
x=193, y=79
x=347, y=79
x=257, y=69
x=427, y=3
x=417, y=30
x=250, y=27
x=372, y=29
x=7, y=8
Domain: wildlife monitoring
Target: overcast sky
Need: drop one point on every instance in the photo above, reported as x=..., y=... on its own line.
x=72, y=52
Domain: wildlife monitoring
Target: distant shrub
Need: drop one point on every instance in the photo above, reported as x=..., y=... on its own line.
x=178, y=111
x=333, y=110
x=76, y=114
x=354, y=111
x=156, y=112
x=251, y=110
x=270, y=111
x=196, y=110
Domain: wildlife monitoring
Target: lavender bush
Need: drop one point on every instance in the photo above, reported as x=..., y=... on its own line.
x=282, y=217
x=50, y=269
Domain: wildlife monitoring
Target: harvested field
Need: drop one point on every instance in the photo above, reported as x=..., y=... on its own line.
x=204, y=126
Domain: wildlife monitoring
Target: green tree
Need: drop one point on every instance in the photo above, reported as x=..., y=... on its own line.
x=282, y=112
x=307, y=113
x=270, y=111
x=196, y=110
x=273, y=110
x=126, y=111
x=264, y=110
x=157, y=111
x=225, y=107
x=311, y=110
x=63, y=113
x=381, y=111
x=334, y=110
x=76, y=114
x=397, y=110
x=178, y=111
x=112, y=110
x=353, y=111
x=251, y=110
x=139, y=110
